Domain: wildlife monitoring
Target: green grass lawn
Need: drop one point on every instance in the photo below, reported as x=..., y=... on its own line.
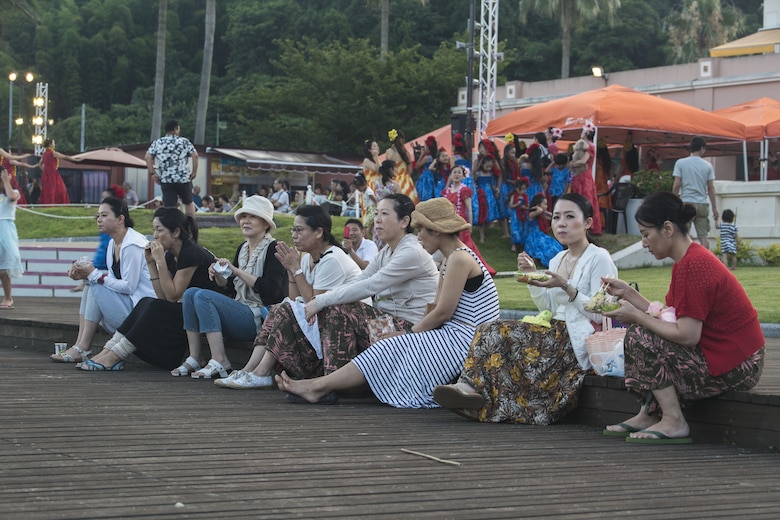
x=759, y=282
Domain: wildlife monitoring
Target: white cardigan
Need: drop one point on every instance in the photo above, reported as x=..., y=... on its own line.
x=135, y=281
x=594, y=264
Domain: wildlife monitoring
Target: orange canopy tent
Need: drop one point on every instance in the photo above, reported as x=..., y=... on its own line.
x=616, y=111
x=761, y=118
x=757, y=116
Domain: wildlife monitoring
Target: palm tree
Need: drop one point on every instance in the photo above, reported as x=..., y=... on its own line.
x=205, y=72
x=159, y=71
x=384, y=23
x=699, y=25
x=572, y=13
x=27, y=8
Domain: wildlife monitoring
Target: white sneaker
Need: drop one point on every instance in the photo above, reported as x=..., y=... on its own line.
x=223, y=382
x=250, y=380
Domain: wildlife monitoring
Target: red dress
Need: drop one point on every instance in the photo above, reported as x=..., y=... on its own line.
x=11, y=169
x=458, y=199
x=53, y=190
x=584, y=185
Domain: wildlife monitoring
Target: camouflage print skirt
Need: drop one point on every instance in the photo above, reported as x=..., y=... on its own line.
x=654, y=363
x=526, y=373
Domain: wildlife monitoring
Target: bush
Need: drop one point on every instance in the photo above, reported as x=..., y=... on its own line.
x=770, y=255
x=647, y=182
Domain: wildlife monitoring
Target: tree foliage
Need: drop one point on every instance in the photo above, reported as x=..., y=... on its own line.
x=297, y=74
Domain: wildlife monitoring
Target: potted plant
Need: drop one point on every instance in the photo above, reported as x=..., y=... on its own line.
x=650, y=181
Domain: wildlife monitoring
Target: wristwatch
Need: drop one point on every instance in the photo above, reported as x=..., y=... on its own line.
x=296, y=273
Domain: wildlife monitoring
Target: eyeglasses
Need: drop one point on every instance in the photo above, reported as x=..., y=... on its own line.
x=297, y=230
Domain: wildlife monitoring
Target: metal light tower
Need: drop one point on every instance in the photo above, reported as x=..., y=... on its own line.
x=41, y=119
x=488, y=59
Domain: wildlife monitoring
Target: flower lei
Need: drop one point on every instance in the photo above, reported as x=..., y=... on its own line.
x=392, y=135
x=589, y=127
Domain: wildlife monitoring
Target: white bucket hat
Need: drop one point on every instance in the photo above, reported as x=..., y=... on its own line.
x=259, y=207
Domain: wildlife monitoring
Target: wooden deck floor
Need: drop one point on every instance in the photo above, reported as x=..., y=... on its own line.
x=142, y=444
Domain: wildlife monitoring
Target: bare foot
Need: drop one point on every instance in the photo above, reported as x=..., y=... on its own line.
x=7, y=304
x=671, y=428
x=301, y=387
x=640, y=421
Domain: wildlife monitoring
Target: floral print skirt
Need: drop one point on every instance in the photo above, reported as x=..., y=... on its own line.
x=526, y=373
x=654, y=363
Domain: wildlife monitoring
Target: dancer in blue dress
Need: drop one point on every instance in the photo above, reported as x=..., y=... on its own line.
x=487, y=179
x=540, y=245
x=518, y=218
x=433, y=178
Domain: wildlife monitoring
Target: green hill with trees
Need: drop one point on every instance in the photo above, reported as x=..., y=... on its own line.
x=309, y=75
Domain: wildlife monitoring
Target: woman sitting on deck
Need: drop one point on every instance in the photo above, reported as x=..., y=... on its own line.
x=714, y=346
x=316, y=265
x=531, y=373
x=109, y=297
x=154, y=330
x=403, y=368
x=401, y=280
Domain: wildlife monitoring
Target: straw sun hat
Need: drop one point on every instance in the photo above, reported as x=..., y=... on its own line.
x=259, y=207
x=438, y=215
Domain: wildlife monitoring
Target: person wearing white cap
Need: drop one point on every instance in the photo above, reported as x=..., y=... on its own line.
x=259, y=280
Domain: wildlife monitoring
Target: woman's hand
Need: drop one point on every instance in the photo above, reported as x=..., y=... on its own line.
x=221, y=262
x=288, y=257
x=616, y=287
x=525, y=263
x=155, y=251
x=627, y=313
x=77, y=272
x=312, y=308
x=556, y=280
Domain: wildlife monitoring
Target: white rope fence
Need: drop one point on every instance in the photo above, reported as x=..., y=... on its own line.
x=67, y=217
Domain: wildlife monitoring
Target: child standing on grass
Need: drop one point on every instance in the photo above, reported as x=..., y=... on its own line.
x=10, y=259
x=728, y=239
x=518, y=203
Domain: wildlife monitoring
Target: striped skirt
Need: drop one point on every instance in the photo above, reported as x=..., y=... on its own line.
x=403, y=370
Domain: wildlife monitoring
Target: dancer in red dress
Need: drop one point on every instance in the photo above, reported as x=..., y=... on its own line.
x=460, y=197
x=53, y=190
x=10, y=162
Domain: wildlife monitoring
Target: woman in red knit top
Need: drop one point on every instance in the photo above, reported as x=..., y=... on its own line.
x=715, y=345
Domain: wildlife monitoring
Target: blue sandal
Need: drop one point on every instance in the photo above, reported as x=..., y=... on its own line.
x=93, y=366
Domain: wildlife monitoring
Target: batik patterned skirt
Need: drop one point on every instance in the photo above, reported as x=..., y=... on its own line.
x=343, y=335
x=653, y=363
x=526, y=373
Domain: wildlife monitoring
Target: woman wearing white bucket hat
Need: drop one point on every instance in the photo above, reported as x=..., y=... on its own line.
x=259, y=281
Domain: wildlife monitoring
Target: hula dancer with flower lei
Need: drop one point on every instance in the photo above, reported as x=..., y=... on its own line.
x=403, y=165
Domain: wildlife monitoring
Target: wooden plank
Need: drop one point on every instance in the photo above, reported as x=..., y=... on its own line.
x=136, y=443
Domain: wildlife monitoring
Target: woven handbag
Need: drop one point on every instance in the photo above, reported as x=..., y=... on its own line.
x=605, y=349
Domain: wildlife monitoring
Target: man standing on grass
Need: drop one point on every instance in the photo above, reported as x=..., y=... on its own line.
x=694, y=182
x=172, y=153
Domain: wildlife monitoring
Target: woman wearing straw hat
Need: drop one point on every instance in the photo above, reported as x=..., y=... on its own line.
x=259, y=280
x=403, y=368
